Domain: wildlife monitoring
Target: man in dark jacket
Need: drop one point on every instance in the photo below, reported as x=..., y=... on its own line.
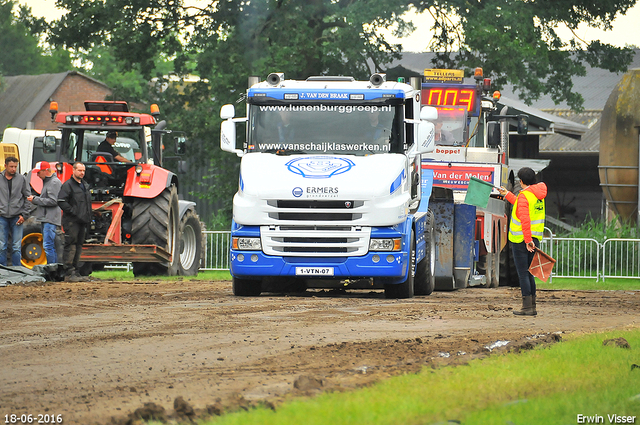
x=14, y=210
x=75, y=200
x=48, y=212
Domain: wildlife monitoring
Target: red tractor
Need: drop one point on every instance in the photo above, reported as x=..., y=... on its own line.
x=138, y=217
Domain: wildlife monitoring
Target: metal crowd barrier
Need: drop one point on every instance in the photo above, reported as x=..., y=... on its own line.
x=575, y=257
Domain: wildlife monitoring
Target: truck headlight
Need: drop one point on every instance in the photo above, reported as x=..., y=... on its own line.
x=249, y=244
x=385, y=244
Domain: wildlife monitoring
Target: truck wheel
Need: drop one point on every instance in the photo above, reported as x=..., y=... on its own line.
x=246, y=287
x=155, y=222
x=32, y=248
x=191, y=245
x=425, y=280
x=404, y=289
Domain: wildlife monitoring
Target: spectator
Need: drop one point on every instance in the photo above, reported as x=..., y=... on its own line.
x=48, y=212
x=14, y=210
x=75, y=200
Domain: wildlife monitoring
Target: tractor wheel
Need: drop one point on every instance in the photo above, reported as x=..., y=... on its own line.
x=32, y=246
x=192, y=244
x=155, y=222
x=425, y=281
x=404, y=289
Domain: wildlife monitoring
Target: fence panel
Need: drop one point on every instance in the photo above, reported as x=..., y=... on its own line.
x=575, y=257
x=621, y=258
x=217, y=250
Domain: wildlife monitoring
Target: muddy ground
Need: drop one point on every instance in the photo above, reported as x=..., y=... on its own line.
x=96, y=352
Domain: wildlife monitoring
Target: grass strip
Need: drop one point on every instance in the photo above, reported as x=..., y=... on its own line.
x=552, y=385
x=120, y=275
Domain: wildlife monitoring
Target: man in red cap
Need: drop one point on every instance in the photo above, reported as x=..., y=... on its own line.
x=48, y=212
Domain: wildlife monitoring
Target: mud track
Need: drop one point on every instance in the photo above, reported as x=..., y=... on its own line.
x=95, y=352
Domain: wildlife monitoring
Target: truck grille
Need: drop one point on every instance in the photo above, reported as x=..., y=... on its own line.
x=315, y=210
x=308, y=241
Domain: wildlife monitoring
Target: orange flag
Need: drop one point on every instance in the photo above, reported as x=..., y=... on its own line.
x=541, y=265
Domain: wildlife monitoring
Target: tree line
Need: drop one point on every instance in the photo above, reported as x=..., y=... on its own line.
x=135, y=46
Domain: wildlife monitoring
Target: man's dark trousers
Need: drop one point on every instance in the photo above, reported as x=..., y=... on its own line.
x=74, y=234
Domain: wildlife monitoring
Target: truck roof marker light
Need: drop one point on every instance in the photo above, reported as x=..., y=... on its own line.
x=496, y=95
x=53, y=110
x=486, y=84
x=356, y=96
x=401, y=80
x=291, y=96
x=138, y=169
x=155, y=109
x=477, y=74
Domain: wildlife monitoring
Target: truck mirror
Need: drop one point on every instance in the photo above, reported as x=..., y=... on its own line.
x=428, y=113
x=493, y=134
x=227, y=111
x=426, y=137
x=49, y=144
x=228, y=137
x=523, y=124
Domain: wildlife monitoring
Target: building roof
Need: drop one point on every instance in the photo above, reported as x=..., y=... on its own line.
x=22, y=96
x=541, y=122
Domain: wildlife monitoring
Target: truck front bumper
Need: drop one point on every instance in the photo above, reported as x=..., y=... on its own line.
x=391, y=267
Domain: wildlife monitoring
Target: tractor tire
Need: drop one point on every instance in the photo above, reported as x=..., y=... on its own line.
x=425, y=281
x=192, y=244
x=155, y=222
x=406, y=288
x=32, y=247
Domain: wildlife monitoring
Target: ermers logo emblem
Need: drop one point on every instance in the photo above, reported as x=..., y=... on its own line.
x=347, y=204
x=319, y=167
x=297, y=192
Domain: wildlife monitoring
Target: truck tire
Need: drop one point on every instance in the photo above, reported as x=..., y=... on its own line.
x=191, y=244
x=425, y=280
x=32, y=247
x=404, y=289
x=246, y=287
x=155, y=222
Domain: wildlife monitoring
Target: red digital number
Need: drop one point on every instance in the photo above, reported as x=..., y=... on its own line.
x=452, y=97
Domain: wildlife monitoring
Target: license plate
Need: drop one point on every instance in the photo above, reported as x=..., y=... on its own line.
x=314, y=271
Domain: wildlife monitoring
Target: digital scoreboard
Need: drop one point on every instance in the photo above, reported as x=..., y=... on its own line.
x=452, y=95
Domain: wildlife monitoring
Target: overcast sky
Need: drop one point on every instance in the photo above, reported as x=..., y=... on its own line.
x=625, y=28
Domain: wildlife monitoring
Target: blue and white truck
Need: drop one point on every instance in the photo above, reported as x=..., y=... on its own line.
x=333, y=191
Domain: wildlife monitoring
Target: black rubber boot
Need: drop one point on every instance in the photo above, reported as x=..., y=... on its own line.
x=527, y=307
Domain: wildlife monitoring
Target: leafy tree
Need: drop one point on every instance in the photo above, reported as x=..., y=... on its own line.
x=224, y=42
x=515, y=42
x=19, y=44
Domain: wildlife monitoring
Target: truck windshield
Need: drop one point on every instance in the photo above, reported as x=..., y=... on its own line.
x=319, y=128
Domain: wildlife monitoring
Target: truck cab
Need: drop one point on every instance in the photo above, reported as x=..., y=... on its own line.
x=329, y=184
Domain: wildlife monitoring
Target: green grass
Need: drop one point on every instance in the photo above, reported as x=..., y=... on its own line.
x=125, y=275
x=611, y=284
x=542, y=386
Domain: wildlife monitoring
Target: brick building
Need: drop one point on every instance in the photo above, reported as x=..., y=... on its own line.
x=24, y=99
